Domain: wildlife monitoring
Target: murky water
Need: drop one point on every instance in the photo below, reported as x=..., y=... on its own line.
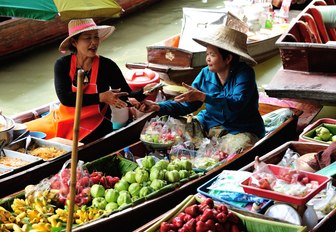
x=27, y=81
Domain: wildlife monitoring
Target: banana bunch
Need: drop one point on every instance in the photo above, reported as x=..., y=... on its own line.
x=33, y=192
x=13, y=227
x=85, y=214
x=40, y=227
x=19, y=205
x=6, y=216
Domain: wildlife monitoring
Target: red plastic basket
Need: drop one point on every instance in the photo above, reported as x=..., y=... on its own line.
x=322, y=180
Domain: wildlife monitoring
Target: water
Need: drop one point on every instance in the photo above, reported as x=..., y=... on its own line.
x=27, y=81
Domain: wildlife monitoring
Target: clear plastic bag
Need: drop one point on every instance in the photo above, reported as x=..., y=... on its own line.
x=289, y=159
x=61, y=182
x=163, y=130
x=276, y=118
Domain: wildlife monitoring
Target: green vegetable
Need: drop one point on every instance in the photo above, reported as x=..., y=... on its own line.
x=162, y=164
x=121, y=185
x=144, y=191
x=172, y=176
x=184, y=174
x=134, y=189
x=148, y=162
x=185, y=164
x=99, y=202
x=111, y=195
x=111, y=206
x=323, y=133
x=173, y=166
x=124, y=198
x=97, y=190
x=141, y=175
x=156, y=174
x=157, y=184
x=130, y=177
x=333, y=138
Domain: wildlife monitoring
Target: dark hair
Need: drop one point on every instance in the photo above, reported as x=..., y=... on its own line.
x=72, y=48
x=225, y=53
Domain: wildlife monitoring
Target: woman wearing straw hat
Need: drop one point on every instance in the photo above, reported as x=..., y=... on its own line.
x=100, y=76
x=227, y=86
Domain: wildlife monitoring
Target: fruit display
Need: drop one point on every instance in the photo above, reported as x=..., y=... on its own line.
x=44, y=206
x=321, y=131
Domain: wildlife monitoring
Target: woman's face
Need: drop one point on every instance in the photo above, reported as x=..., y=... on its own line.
x=215, y=61
x=87, y=43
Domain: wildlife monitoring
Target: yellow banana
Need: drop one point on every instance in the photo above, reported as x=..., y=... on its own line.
x=25, y=227
x=17, y=228
x=42, y=227
x=9, y=226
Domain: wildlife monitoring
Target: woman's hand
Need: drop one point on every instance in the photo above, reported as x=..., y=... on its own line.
x=192, y=95
x=148, y=106
x=112, y=97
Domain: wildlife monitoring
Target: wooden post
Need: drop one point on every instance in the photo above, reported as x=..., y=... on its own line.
x=74, y=154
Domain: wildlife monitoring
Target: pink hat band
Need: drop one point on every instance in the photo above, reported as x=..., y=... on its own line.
x=80, y=27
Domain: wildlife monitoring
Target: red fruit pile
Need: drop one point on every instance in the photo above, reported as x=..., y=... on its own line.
x=204, y=217
x=85, y=180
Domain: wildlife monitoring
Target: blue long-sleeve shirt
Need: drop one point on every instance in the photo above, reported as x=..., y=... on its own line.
x=233, y=105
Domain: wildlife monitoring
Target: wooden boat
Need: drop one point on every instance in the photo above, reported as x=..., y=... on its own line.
x=275, y=156
x=20, y=34
x=149, y=209
x=114, y=144
x=272, y=157
x=18, y=179
x=308, y=70
x=179, y=59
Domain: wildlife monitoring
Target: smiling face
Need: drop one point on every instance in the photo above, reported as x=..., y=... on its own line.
x=87, y=43
x=215, y=61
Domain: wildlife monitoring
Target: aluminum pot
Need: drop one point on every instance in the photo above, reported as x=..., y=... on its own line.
x=6, y=130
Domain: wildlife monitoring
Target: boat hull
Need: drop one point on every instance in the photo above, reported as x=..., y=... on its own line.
x=130, y=220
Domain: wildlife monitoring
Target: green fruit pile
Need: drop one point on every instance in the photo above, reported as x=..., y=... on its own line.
x=323, y=134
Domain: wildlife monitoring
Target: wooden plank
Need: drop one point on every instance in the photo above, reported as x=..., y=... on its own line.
x=303, y=85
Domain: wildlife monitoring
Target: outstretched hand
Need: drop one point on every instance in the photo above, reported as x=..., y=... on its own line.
x=193, y=94
x=112, y=97
x=148, y=106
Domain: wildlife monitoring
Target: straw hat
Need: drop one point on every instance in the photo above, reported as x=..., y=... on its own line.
x=77, y=26
x=228, y=39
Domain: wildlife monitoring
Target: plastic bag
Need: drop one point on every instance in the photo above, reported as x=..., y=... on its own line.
x=183, y=150
x=325, y=201
x=276, y=118
x=61, y=181
x=163, y=130
x=289, y=159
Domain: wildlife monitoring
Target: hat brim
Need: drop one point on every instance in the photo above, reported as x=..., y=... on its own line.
x=205, y=41
x=103, y=31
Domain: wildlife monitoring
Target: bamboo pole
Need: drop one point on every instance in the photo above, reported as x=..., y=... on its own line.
x=74, y=154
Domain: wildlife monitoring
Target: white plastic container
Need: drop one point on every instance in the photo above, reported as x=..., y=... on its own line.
x=119, y=117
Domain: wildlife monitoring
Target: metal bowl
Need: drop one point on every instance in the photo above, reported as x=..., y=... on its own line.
x=6, y=133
